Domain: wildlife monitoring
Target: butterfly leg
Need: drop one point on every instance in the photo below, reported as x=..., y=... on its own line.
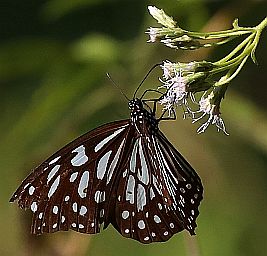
x=151, y=90
x=156, y=65
x=155, y=101
x=173, y=117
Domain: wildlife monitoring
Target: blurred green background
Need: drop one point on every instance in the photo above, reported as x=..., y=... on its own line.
x=53, y=58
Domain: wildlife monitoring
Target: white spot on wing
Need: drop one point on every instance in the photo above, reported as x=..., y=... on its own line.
x=55, y=209
x=189, y=186
x=73, y=176
x=114, y=162
x=83, y=210
x=83, y=184
x=142, y=174
x=80, y=158
x=141, y=224
x=130, y=189
x=157, y=219
x=152, y=194
x=124, y=174
x=141, y=197
x=99, y=196
x=74, y=207
x=26, y=185
x=107, y=139
x=31, y=190
x=133, y=157
x=125, y=214
x=54, y=160
x=54, y=186
x=34, y=206
x=52, y=173
x=102, y=165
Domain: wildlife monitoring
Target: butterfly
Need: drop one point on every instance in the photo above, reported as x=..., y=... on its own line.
x=125, y=173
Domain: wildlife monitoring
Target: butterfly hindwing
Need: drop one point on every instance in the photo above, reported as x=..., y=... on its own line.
x=158, y=193
x=185, y=184
x=140, y=212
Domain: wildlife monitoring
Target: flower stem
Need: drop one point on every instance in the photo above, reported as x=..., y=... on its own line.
x=235, y=51
x=231, y=75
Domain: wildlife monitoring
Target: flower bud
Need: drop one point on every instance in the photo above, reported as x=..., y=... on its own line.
x=161, y=17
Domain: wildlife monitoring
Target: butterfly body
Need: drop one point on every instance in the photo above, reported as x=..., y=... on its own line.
x=125, y=173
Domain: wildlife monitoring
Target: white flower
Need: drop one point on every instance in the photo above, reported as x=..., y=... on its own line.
x=176, y=94
x=169, y=43
x=168, y=69
x=154, y=35
x=207, y=108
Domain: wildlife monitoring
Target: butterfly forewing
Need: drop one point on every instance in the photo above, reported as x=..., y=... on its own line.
x=70, y=190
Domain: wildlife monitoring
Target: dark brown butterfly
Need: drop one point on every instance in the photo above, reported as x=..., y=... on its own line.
x=125, y=173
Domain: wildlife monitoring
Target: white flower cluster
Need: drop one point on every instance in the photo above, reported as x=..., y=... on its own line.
x=175, y=86
x=178, y=92
x=182, y=82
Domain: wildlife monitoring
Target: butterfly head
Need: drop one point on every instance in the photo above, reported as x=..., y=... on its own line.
x=135, y=104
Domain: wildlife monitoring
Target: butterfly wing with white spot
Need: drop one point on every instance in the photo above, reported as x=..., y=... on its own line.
x=185, y=185
x=72, y=188
x=156, y=191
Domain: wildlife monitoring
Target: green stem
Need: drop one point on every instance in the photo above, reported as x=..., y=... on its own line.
x=235, y=51
x=219, y=34
x=224, y=33
x=231, y=74
x=219, y=43
x=262, y=25
x=230, y=64
x=251, y=44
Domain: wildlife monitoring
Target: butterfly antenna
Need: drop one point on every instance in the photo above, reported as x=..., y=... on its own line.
x=125, y=96
x=158, y=64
